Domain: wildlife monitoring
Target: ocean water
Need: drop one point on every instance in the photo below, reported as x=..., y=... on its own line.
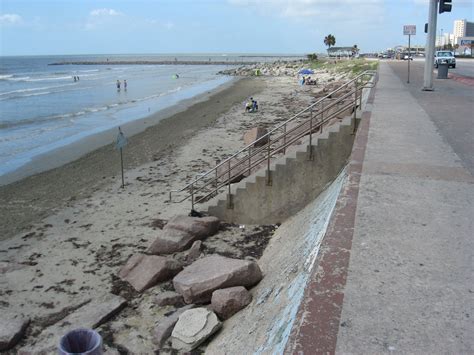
x=42, y=108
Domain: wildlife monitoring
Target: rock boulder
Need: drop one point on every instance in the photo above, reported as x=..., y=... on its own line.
x=169, y=298
x=144, y=271
x=181, y=231
x=193, y=328
x=165, y=326
x=197, y=227
x=197, y=281
x=228, y=301
x=255, y=133
x=12, y=328
x=171, y=241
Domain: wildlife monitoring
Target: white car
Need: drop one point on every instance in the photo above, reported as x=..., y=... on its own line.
x=444, y=57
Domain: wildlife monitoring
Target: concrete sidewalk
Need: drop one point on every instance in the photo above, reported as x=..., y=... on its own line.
x=396, y=269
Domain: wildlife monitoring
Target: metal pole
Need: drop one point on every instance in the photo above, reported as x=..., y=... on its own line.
x=250, y=157
x=355, y=108
x=311, y=135
x=430, y=45
x=408, y=80
x=121, y=165
x=269, y=181
x=228, y=181
x=322, y=115
x=284, y=139
x=192, y=196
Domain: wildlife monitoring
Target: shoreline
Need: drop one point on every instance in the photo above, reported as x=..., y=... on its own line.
x=60, y=156
x=28, y=200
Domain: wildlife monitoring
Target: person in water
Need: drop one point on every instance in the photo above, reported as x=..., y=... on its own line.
x=125, y=84
x=118, y=85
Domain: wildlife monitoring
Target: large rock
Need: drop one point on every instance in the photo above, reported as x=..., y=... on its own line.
x=199, y=227
x=91, y=315
x=181, y=231
x=228, y=301
x=193, y=328
x=169, y=298
x=144, y=271
x=255, y=133
x=197, y=281
x=165, y=326
x=12, y=328
x=171, y=241
x=194, y=253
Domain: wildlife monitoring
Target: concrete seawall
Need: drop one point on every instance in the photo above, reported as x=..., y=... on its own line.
x=296, y=180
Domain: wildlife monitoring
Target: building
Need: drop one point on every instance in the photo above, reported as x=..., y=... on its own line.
x=462, y=29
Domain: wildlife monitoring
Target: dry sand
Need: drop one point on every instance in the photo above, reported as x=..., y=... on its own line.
x=67, y=231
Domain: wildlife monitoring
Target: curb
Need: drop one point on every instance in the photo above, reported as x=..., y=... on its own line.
x=317, y=322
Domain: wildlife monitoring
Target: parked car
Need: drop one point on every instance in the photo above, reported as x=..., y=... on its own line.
x=444, y=57
x=406, y=57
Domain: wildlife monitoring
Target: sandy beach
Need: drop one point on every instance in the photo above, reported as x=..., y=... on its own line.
x=66, y=232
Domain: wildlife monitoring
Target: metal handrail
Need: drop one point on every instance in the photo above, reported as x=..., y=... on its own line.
x=267, y=147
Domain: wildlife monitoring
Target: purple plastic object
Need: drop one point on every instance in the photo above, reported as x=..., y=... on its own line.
x=81, y=341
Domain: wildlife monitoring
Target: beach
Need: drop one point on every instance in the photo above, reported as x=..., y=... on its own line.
x=67, y=231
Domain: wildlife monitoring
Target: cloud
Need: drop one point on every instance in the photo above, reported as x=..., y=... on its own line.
x=344, y=10
x=331, y=14
x=105, y=12
x=102, y=17
x=10, y=19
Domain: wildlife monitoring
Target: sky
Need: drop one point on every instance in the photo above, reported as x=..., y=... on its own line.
x=55, y=27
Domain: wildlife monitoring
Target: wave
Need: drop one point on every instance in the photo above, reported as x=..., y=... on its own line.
x=37, y=94
x=4, y=77
x=33, y=89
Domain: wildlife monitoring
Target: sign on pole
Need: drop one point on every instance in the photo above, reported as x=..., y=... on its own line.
x=466, y=42
x=119, y=144
x=409, y=30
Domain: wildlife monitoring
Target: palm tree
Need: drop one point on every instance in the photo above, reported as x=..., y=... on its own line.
x=329, y=40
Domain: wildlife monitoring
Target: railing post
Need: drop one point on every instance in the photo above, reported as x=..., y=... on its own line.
x=229, y=194
x=216, y=182
x=322, y=115
x=355, y=108
x=269, y=179
x=284, y=139
x=192, y=196
x=250, y=157
x=311, y=135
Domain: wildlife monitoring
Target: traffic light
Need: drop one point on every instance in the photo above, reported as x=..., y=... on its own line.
x=445, y=6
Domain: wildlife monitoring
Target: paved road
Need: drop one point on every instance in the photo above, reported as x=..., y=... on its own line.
x=454, y=120
x=464, y=67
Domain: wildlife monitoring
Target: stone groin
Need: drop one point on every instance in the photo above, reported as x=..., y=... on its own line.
x=157, y=62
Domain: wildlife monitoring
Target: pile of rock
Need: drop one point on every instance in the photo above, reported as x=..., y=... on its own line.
x=267, y=69
x=216, y=281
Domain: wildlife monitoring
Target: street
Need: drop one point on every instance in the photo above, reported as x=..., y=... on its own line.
x=450, y=106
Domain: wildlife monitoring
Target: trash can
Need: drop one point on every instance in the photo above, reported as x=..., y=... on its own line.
x=443, y=71
x=81, y=341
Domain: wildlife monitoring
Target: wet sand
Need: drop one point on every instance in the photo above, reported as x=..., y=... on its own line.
x=29, y=200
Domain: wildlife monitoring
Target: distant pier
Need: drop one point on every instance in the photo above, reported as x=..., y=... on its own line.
x=157, y=62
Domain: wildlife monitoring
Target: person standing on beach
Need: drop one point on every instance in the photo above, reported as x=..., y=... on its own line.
x=118, y=85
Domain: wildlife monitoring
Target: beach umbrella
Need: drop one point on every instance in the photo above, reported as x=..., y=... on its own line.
x=306, y=71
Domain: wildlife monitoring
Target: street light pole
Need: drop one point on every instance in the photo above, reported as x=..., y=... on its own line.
x=430, y=45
